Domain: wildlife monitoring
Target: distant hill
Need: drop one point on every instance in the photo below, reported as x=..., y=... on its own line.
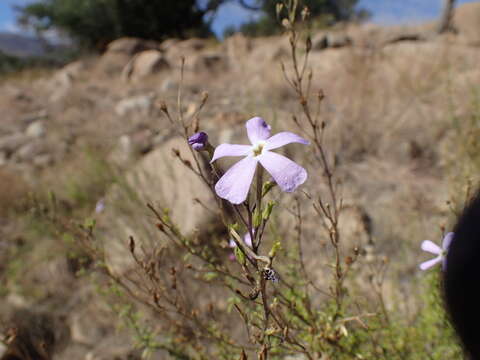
x=21, y=45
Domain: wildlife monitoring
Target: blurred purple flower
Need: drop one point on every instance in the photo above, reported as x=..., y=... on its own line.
x=100, y=206
x=235, y=183
x=246, y=238
x=441, y=252
x=198, y=141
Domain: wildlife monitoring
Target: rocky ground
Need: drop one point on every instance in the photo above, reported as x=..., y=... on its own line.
x=401, y=110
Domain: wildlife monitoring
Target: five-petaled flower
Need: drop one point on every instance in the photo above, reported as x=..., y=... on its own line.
x=441, y=252
x=235, y=183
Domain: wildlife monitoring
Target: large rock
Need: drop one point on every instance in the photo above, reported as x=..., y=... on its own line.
x=187, y=49
x=467, y=21
x=120, y=52
x=131, y=45
x=60, y=84
x=10, y=143
x=145, y=64
x=330, y=40
x=211, y=61
x=160, y=179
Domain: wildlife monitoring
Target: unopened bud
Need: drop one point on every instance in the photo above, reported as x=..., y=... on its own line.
x=198, y=141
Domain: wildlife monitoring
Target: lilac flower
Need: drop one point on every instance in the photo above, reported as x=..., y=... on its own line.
x=198, y=141
x=247, y=240
x=235, y=183
x=441, y=252
x=100, y=206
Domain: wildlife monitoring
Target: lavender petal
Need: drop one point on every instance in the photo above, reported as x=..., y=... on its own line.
x=287, y=174
x=235, y=183
x=431, y=247
x=284, y=138
x=230, y=150
x=257, y=130
x=429, y=263
x=247, y=239
x=447, y=240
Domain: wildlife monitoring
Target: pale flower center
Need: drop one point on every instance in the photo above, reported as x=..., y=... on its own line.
x=258, y=148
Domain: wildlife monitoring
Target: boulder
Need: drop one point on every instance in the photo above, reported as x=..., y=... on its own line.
x=131, y=46
x=208, y=62
x=120, y=52
x=466, y=21
x=336, y=40
x=10, y=143
x=330, y=40
x=186, y=48
x=163, y=180
x=144, y=64
x=319, y=41
x=36, y=129
x=30, y=150
x=192, y=44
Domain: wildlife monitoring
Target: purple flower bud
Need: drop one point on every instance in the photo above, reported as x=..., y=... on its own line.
x=198, y=141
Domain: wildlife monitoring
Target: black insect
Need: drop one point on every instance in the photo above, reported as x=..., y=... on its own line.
x=270, y=274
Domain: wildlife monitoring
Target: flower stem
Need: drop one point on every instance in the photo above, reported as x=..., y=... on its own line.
x=258, y=210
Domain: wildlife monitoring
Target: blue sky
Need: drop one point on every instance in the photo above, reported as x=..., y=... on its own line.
x=384, y=12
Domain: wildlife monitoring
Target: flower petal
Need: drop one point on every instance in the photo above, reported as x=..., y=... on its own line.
x=285, y=172
x=235, y=183
x=247, y=239
x=431, y=247
x=429, y=263
x=447, y=240
x=257, y=130
x=284, y=138
x=230, y=150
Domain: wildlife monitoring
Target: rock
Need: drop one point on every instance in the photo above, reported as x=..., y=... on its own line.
x=330, y=40
x=161, y=179
x=192, y=44
x=120, y=52
x=130, y=45
x=62, y=81
x=141, y=104
x=319, y=41
x=74, y=69
x=208, y=62
x=43, y=160
x=169, y=43
x=466, y=20
x=168, y=84
x=30, y=150
x=85, y=327
x=10, y=143
x=37, y=115
x=145, y=64
x=187, y=49
x=336, y=40
x=142, y=141
x=36, y=129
